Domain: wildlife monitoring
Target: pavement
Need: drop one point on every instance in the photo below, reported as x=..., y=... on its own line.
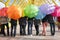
x=34, y=37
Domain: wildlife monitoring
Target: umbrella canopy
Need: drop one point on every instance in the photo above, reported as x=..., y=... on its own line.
x=3, y=12
x=2, y=5
x=14, y=13
x=40, y=15
x=31, y=11
x=47, y=8
x=56, y=11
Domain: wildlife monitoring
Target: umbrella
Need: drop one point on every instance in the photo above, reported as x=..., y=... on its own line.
x=56, y=11
x=2, y=5
x=3, y=12
x=47, y=8
x=40, y=15
x=14, y=12
x=31, y=11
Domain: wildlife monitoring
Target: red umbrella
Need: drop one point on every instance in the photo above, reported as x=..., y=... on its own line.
x=56, y=11
x=3, y=11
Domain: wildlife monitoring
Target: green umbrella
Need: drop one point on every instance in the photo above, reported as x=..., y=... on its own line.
x=31, y=11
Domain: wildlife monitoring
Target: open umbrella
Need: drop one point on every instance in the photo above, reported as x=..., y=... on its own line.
x=56, y=11
x=40, y=15
x=47, y=8
x=14, y=13
x=3, y=12
x=31, y=11
x=2, y=5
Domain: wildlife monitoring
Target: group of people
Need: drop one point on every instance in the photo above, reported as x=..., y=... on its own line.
x=24, y=20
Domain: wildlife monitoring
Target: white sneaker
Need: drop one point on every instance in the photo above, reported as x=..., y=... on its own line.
x=31, y=35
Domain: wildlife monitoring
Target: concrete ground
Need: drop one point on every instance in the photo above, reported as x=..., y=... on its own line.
x=34, y=37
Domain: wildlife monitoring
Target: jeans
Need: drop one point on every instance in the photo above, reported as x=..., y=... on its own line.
x=13, y=30
x=3, y=29
x=52, y=28
x=7, y=29
x=30, y=24
x=22, y=29
x=37, y=29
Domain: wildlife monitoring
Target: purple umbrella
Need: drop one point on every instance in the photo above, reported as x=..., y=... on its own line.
x=47, y=8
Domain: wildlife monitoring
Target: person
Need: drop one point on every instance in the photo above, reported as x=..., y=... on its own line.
x=37, y=23
x=44, y=24
x=22, y=23
x=52, y=24
x=58, y=20
x=13, y=27
x=49, y=19
x=30, y=24
x=4, y=21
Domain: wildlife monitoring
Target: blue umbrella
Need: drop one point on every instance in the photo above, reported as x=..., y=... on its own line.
x=40, y=15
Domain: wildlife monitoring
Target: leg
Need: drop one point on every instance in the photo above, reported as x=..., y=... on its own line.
x=21, y=31
x=37, y=29
x=3, y=29
x=44, y=29
x=24, y=31
x=7, y=29
x=11, y=29
x=52, y=28
x=14, y=30
x=29, y=29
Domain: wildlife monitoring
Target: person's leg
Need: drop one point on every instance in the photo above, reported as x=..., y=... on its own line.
x=37, y=29
x=24, y=31
x=3, y=29
x=52, y=28
x=11, y=29
x=21, y=31
x=29, y=28
x=14, y=30
x=44, y=29
x=7, y=29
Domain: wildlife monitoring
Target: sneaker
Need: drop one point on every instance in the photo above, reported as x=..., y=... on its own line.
x=31, y=35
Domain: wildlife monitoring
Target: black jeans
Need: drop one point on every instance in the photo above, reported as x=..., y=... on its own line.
x=13, y=27
x=22, y=29
x=13, y=30
x=7, y=29
x=52, y=28
x=37, y=29
x=3, y=29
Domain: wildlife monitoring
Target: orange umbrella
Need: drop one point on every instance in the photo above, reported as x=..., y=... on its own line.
x=14, y=12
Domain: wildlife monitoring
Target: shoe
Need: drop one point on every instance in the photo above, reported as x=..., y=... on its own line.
x=44, y=34
x=52, y=34
x=31, y=35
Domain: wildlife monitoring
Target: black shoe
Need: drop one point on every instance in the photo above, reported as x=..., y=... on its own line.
x=52, y=34
x=37, y=33
x=8, y=35
x=4, y=34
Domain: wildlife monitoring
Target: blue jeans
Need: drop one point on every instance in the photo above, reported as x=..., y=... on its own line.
x=13, y=28
x=22, y=29
x=30, y=24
